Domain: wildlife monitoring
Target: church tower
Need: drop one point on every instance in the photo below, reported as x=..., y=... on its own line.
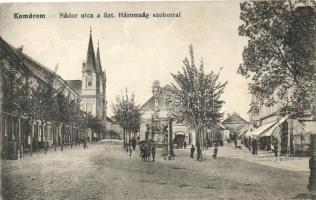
x=101, y=89
x=93, y=90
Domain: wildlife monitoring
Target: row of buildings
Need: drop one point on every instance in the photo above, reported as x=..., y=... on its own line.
x=22, y=133
x=276, y=129
x=279, y=129
x=157, y=115
x=268, y=124
x=285, y=132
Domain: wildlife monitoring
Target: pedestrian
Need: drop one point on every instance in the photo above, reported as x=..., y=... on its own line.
x=310, y=181
x=235, y=144
x=254, y=147
x=134, y=142
x=199, y=153
x=153, y=152
x=148, y=153
x=142, y=152
x=185, y=144
x=130, y=152
x=84, y=143
x=145, y=152
x=249, y=144
x=215, y=152
x=275, y=148
x=192, y=151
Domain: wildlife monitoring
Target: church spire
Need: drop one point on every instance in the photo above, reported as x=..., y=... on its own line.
x=90, y=62
x=98, y=60
x=98, y=63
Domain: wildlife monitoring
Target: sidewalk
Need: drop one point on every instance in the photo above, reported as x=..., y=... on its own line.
x=50, y=151
x=266, y=158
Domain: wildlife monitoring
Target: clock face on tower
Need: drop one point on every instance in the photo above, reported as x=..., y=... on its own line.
x=101, y=101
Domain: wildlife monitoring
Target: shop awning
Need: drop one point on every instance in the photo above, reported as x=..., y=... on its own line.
x=270, y=131
x=261, y=129
x=244, y=130
x=242, y=133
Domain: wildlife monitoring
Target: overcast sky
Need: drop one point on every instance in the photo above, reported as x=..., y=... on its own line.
x=135, y=52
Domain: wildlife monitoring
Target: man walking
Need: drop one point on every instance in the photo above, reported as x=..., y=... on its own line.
x=130, y=151
x=153, y=152
x=275, y=148
x=254, y=147
x=148, y=152
x=134, y=143
x=192, y=151
x=84, y=143
x=249, y=144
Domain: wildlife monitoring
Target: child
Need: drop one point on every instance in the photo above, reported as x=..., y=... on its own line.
x=215, y=152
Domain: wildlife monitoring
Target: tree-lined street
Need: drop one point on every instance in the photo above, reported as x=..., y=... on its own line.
x=230, y=113
x=105, y=171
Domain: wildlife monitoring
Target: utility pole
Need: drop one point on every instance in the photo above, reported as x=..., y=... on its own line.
x=312, y=165
x=170, y=119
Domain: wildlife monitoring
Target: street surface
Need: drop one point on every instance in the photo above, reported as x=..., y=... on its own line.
x=105, y=171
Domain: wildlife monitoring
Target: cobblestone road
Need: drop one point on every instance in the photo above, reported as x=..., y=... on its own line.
x=105, y=171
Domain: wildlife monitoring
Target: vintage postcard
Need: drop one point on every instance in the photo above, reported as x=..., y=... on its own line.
x=158, y=100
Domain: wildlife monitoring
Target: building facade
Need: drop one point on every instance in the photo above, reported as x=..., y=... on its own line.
x=20, y=132
x=156, y=117
x=270, y=125
x=233, y=123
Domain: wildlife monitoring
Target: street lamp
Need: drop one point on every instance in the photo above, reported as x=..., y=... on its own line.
x=170, y=118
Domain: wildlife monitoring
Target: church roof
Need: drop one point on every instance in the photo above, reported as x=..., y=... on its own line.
x=75, y=85
x=98, y=61
x=90, y=61
x=234, y=119
x=104, y=75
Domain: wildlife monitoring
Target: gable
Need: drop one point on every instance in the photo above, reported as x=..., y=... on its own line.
x=150, y=103
x=234, y=119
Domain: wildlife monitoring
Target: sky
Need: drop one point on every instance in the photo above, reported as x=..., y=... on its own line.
x=135, y=51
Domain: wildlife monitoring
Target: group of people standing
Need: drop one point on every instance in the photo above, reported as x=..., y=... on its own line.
x=252, y=144
x=199, y=153
x=147, y=152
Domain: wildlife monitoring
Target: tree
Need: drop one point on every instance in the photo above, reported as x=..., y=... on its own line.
x=199, y=94
x=280, y=55
x=127, y=114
